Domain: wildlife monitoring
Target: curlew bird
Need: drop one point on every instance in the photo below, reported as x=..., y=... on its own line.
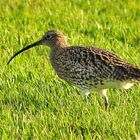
x=88, y=68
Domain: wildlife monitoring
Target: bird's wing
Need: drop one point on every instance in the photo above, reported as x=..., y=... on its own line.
x=111, y=64
x=107, y=56
x=120, y=69
x=104, y=63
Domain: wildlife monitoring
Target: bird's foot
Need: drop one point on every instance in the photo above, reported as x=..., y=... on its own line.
x=85, y=94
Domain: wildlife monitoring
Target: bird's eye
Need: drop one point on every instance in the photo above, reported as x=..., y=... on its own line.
x=48, y=36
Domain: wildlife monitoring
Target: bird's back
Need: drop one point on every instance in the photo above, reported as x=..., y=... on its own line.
x=92, y=67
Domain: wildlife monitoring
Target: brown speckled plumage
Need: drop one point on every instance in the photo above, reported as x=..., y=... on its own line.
x=88, y=68
x=89, y=63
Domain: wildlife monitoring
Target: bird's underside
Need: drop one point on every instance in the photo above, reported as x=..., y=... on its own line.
x=89, y=67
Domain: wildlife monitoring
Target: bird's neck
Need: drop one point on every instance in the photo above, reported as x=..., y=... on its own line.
x=58, y=47
x=56, y=50
x=55, y=53
x=60, y=44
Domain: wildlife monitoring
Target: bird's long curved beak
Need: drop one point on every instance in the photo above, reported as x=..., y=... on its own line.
x=40, y=42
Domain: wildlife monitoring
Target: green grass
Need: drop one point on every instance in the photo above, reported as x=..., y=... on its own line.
x=34, y=102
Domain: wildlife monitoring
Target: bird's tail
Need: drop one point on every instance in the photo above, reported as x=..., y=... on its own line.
x=135, y=73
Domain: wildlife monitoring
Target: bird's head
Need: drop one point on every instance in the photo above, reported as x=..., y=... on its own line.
x=52, y=38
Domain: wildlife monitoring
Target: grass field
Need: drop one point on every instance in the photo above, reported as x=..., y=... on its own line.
x=34, y=103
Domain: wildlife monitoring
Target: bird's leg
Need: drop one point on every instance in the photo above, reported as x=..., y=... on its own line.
x=105, y=98
x=85, y=94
